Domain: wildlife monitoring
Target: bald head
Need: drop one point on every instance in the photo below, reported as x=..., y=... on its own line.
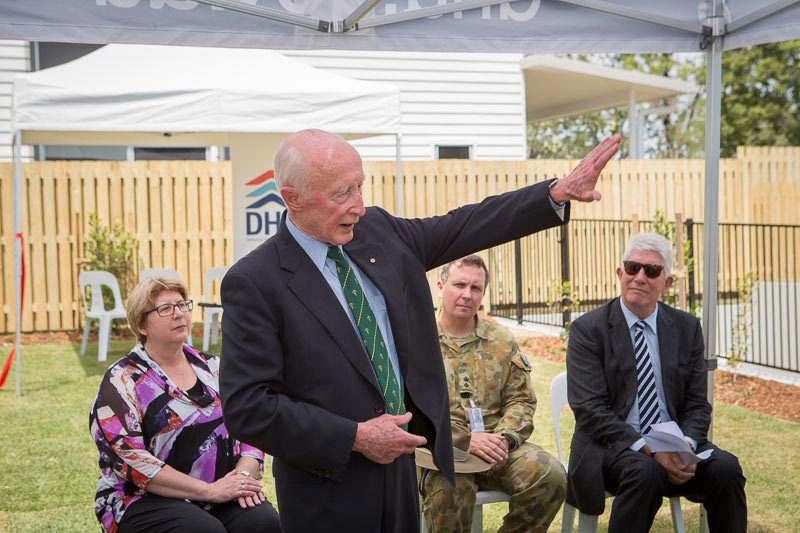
x=307, y=156
x=320, y=177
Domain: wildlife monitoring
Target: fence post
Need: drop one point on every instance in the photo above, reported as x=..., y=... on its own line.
x=518, y=277
x=690, y=262
x=680, y=266
x=566, y=303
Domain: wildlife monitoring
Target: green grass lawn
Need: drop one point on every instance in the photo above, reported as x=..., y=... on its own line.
x=48, y=462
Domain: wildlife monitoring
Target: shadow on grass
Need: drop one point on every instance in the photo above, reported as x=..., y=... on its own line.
x=91, y=366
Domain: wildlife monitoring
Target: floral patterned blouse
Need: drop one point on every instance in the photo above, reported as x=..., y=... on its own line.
x=141, y=421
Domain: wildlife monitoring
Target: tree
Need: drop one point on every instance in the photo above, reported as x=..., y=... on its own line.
x=760, y=97
x=760, y=105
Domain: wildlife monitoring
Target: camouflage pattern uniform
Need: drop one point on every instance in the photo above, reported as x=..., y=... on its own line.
x=489, y=366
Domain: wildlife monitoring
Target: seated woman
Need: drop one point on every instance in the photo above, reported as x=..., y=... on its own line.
x=167, y=461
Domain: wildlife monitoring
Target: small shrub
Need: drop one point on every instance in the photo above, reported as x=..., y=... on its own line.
x=114, y=250
x=561, y=298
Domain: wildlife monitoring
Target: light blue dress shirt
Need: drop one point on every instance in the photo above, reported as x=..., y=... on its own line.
x=651, y=338
x=318, y=252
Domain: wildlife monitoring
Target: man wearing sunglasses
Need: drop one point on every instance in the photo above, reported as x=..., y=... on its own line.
x=632, y=363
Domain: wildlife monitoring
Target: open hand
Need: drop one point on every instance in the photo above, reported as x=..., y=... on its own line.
x=581, y=182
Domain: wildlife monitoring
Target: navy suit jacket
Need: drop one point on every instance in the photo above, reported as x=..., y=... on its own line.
x=601, y=386
x=295, y=378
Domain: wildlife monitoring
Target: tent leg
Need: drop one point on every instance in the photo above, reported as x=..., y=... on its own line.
x=711, y=208
x=711, y=216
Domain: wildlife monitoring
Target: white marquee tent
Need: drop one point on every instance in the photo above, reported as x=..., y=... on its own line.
x=527, y=26
x=125, y=94
x=247, y=99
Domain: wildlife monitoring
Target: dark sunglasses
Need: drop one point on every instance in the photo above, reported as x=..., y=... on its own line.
x=651, y=271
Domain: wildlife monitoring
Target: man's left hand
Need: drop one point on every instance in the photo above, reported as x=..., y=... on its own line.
x=580, y=183
x=490, y=447
x=677, y=471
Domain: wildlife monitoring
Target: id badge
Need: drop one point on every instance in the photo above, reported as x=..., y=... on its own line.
x=475, y=418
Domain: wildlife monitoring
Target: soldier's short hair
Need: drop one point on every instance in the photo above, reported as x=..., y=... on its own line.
x=472, y=259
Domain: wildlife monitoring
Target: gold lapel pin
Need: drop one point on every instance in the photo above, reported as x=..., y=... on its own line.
x=371, y=259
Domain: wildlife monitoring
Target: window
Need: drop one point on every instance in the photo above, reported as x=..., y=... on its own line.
x=169, y=153
x=453, y=152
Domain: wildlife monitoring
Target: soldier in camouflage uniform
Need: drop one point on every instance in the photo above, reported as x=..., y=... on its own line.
x=487, y=373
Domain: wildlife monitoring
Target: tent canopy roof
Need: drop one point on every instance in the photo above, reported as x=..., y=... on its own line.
x=528, y=26
x=168, y=95
x=557, y=87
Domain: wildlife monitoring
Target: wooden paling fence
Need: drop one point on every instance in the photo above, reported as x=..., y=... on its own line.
x=181, y=210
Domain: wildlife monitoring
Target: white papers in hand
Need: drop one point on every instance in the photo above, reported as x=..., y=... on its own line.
x=668, y=437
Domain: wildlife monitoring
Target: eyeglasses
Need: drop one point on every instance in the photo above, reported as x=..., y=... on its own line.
x=651, y=271
x=169, y=309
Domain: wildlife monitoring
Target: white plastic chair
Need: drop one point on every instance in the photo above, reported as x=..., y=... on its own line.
x=166, y=273
x=211, y=310
x=482, y=497
x=588, y=523
x=95, y=308
x=158, y=273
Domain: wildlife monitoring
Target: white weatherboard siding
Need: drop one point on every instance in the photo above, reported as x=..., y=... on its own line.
x=445, y=99
x=14, y=59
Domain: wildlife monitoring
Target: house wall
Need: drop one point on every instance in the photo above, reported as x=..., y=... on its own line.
x=446, y=99
x=477, y=100
x=14, y=59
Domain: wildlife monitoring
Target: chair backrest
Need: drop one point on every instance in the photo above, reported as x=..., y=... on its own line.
x=159, y=273
x=95, y=279
x=558, y=399
x=211, y=275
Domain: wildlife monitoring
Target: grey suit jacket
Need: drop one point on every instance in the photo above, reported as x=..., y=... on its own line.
x=601, y=386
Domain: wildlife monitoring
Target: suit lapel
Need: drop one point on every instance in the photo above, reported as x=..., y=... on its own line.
x=374, y=263
x=621, y=344
x=311, y=289
x=668, y=356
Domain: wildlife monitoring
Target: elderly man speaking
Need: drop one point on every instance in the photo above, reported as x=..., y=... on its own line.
x=331, y=360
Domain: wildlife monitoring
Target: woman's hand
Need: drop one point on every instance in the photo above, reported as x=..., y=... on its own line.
x=237, y=486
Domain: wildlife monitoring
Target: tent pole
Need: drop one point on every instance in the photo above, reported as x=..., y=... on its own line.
x=615, y=9
x=440, y=9
x=398, y=172
x=17, y=181
x=711, y=207
x=272, y=14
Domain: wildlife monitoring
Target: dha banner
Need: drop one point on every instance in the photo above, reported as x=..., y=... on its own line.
x=257, y=203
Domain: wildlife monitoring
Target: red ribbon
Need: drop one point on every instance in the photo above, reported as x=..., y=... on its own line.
x=10, y=359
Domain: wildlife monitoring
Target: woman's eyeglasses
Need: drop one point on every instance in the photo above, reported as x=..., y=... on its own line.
x=169, y=309
x=651, y=271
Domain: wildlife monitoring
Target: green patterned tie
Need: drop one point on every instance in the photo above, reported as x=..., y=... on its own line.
x=370, y=333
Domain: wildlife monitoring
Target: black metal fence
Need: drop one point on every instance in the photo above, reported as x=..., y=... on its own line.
x=552, y=276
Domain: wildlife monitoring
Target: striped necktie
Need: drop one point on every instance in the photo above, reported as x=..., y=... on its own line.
x=370, y=333
x=646, y=380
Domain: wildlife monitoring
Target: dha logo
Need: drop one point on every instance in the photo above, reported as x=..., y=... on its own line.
x=264, y=214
